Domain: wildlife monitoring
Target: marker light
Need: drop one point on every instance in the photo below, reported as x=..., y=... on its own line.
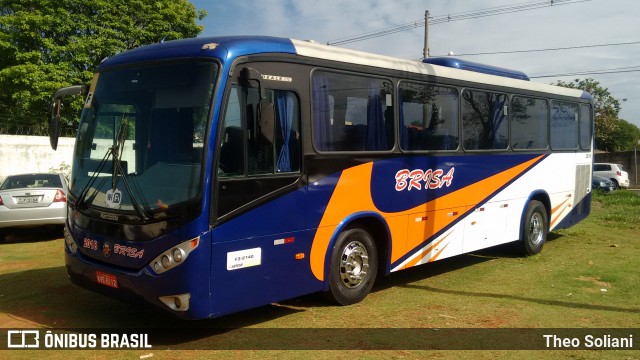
x=174, y=256
x=68, y=240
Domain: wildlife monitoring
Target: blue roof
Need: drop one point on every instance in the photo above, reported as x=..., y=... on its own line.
x=477, y=67
x=228, y=48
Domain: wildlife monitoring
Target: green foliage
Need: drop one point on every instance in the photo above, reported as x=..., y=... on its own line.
x=62, y=168
x=46, y=44
x=626, y=136
x=608, y=127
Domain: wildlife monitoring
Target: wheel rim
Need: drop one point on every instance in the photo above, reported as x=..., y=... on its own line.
x=535, y=229
x=354, y=264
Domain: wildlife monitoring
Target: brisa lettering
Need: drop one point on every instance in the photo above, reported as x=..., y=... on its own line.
x=417, y=179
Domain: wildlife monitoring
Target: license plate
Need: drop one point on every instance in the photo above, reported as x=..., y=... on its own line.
x=29, y=200
x=106, y=279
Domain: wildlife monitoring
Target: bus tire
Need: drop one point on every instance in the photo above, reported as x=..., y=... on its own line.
x=354, y=265
x=535, y=229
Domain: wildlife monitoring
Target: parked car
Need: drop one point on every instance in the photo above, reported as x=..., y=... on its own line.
x=29, y=200
x=601, y=183
x=615, y=172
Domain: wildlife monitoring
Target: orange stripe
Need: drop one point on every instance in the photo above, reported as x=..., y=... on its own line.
x=424, y=253
x=438, y=254
x=352, y=194
x=553, y=213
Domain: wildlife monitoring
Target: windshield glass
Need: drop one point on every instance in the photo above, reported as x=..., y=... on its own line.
x=141, y=137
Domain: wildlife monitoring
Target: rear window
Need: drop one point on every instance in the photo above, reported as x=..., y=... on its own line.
x=620, y=167
x=31, y=181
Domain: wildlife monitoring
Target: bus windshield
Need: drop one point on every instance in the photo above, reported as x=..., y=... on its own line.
x=140, y=142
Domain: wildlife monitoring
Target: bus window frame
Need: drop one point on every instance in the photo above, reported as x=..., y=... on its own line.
x=548, y=121
x=563, y=101
x=509, y=95
x=458, y=117
x=591, y=126
x=394, y=97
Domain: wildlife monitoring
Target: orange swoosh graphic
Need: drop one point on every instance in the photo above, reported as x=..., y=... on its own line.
x=352, y=194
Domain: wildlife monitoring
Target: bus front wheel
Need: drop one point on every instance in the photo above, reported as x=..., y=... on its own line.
x=354, y=265
x=535, y=229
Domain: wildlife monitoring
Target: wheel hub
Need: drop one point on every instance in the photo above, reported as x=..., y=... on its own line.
x=535, y=229
x=354, y=264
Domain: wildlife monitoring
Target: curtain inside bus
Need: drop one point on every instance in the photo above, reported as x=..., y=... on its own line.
x=286, y=102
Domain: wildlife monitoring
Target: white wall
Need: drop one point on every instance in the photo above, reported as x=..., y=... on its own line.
x=28, y=154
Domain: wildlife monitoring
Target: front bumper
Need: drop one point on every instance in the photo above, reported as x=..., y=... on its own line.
x=144, y=286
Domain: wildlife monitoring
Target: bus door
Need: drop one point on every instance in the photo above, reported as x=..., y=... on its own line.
x=259, y=248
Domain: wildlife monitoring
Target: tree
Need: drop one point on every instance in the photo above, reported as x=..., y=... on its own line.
x=48, y=44
x=626, y=136
x=606, y=109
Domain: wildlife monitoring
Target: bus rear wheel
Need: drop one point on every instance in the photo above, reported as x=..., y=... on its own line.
x=535, y=229
x=354, y=265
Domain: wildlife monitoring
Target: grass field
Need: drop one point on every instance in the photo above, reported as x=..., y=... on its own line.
x=586, y=277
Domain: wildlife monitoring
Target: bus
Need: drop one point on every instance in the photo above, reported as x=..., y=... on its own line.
x=214, y=175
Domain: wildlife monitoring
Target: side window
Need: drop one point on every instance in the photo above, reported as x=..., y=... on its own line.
x=585, y=126
x=529, y=122
x=428, y=117
x=232, y=149
x=258, y=145
x=351, y=113
x=564, y=125
x=483, y=125
x=277, y=141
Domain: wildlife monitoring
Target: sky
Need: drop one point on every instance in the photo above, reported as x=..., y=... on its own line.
x=578, y=24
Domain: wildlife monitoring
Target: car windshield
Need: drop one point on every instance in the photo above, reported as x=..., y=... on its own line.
x=140, y=141
x=31, y=181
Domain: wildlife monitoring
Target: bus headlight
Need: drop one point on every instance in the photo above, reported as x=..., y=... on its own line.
x=174, y=256
x=178, y=255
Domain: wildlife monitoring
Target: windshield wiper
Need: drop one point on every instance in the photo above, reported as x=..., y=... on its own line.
x=116, y=152
x=85, y=190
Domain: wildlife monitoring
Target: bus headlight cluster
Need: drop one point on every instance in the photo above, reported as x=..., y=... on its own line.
x=174, y=256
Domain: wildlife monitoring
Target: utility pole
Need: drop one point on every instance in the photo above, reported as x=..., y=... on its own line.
x=425, y=51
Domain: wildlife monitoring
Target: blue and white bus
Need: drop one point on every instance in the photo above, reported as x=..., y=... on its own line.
x=213, y=175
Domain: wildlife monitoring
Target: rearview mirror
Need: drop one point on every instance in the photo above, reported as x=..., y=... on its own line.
x=56, y=106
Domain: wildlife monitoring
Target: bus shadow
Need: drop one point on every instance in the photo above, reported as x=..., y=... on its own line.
x=426, y=271
x=565, y=304
x=32, y=235
x=46, y=299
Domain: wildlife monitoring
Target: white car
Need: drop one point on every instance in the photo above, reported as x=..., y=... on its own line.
x=29, y=200
x=615, y=172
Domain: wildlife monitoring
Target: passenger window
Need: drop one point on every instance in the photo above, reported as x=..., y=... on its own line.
x=352, y=113
x=564, y=125
x=428, y=117
x=529, y=122
x=586, y=126
x=483, y=125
